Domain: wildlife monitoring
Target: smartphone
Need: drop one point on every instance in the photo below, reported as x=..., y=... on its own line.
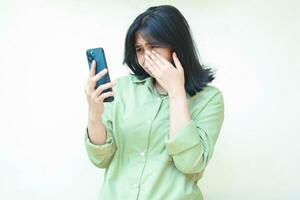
x=98, y=55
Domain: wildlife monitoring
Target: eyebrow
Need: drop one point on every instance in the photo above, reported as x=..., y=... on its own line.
x=148, y=43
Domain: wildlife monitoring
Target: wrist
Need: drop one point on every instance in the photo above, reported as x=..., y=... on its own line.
x=177, y=94
x=94, y=117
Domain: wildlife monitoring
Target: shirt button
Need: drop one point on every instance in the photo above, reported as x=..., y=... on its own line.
x=142, y=153
x=158, y=98
x=135, y=185
x=149, y=121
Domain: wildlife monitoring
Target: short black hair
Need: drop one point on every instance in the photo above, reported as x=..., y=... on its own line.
x=167, y=26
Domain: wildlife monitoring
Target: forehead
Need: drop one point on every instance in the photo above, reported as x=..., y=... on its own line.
x=141, y=40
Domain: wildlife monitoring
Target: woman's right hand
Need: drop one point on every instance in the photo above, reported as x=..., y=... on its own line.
x=94, y=96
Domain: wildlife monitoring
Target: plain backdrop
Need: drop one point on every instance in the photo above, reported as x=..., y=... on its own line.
x=252, y=45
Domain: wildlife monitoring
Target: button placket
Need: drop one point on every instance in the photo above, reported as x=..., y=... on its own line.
x=143, y=154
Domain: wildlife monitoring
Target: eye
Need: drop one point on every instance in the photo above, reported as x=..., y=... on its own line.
x=138, y=49
x=154, y=46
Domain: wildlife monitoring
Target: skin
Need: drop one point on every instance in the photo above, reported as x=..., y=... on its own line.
x=156, y=61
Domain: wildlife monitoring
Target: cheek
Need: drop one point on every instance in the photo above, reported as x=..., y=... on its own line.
x=140, y=58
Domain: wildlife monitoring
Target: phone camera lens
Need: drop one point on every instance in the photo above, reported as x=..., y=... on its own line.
x=90, y=55
x=90, y=58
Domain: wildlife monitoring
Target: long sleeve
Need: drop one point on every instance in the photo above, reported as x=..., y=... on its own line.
x=101, y=155
x=192, y=147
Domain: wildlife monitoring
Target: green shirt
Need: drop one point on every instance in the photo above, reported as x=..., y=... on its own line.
x=140, y=160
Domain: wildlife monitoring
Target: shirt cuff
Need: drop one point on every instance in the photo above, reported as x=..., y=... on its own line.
x=98, y=147
x=186, y=138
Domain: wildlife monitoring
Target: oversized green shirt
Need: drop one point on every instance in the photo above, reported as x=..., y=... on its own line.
x=140, y=160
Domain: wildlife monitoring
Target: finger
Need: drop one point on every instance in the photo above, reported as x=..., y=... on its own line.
x=99, y=75
x=151, y=66
x=155, y=59
x=156, y=66
x=93, y=80
x=93, y=68
x=105, y=95
x=177, y=62
x=146, y=68
x=102, y=88
x=159, y=57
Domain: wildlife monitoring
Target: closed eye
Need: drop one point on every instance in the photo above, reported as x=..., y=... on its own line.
x=155, y=46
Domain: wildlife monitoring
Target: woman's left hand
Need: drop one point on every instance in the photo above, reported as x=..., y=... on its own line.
x=169, y=77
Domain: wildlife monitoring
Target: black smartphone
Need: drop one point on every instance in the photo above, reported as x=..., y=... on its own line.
x=98, y=55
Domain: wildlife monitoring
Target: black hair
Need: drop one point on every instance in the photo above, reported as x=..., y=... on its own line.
x=167, y=26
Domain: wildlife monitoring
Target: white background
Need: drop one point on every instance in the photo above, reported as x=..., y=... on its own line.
x=253, y=46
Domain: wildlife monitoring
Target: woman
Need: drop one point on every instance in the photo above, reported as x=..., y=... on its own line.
x=156, y=138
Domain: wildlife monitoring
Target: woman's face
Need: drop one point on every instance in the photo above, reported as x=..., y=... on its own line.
x=141, y=45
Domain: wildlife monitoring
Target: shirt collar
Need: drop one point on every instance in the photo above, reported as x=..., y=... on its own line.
x=150, y=85
x=136, y=80
x=149, y=82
